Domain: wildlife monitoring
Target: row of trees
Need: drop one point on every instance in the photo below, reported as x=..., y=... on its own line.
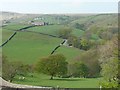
x=92, y=37
x=78, y=69
x=56, y=65
x=90, y=59
x=53, y=65
x=109, y=63
x=65, y=32
x=79, y=26
x=105, y=33
x=103, y=61
x=101, y=55
x=81, y=43
x=86, y=65
x=88, y=40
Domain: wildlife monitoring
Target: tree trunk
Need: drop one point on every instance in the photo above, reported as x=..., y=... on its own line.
x=10, y=80
x=51, y=77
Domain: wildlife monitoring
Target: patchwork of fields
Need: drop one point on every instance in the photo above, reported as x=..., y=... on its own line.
x=29, y=46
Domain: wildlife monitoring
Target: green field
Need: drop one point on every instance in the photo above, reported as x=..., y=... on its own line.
x=6, y=34
x=50, y=29
x=54, y=29
x=14, y=26
x=44, y=80
x=27, y=44
x=24, y=45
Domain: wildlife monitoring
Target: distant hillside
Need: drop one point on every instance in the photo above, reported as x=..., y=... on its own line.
x=10, y=15
x=13, y=17
x=100, y=20
x=78, y=21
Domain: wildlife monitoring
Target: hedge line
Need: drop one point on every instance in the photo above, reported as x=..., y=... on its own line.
x=27, y=27
x=42, y=33
x=58, y=46
x=55, y=49
x=9, y=39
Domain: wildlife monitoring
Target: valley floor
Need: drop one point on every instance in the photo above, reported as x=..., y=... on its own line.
x=44, y=80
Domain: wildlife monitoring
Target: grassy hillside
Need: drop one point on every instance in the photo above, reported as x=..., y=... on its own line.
x=55, y=18
x=10, y=15
x=54, y=29
x=14, y=26
x=69, y=52
x=29, y=47
x=50, y=29
x=25, y=44
x=102, y=20
x=6, y=34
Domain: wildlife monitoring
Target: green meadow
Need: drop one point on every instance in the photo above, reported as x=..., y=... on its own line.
x=44, y=80
x=14, y=26
x=54, y=30
x=27, y=44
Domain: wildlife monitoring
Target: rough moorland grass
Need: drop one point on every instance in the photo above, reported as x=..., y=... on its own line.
x=44, y=80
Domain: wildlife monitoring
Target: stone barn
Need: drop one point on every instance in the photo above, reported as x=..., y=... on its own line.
x=38, y=23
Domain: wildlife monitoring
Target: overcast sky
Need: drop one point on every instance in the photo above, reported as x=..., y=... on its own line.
x=60, y=6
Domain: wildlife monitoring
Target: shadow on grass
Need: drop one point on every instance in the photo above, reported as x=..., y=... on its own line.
x=69, y=79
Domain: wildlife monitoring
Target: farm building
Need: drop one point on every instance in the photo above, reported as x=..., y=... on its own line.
x=39, y=23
